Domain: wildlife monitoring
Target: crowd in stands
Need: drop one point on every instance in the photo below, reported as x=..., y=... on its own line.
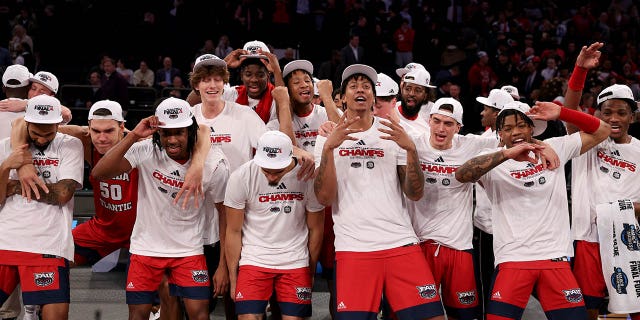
x=475, y=45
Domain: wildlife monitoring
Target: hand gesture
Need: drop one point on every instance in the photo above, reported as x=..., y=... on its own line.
x=233, y=59
x=396, y=133
x=549, y=158
x=30, y=181
x=192, y=187
x=589, y=57
x=544, y=111
x=146, y=127
x=273, y=63
x=341, y=132
x=326, y=128
x=521, y=152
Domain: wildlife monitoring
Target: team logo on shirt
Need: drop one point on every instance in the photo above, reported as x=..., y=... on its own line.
x=542, y=180
x=200, y=276
x=531, y=170
x=39, y=161
x=303, y=293
x=46, y=174
x=529, y=184
x=616, y=175
x=467, y=297
x=370, y=165
x=356, y=164
x=306, y=134
x=359, y=150
x=284, y=196
x=286, y=209
x=274, y=209
x=573, y=295
x=167, y=180
x=431, y=180
x=615, y=161
x=619, y=280
x=446, y=182
x=220, y=138
x=630, y=236
x=437, y=167
x=44, y=279
x=427, y=291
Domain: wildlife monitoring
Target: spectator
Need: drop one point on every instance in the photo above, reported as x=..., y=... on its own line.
x=403, y=38
x=481, y=76
x=113, y=86
x=224, y=46
x=165, y=75
x=124, y=71
x=143, y=76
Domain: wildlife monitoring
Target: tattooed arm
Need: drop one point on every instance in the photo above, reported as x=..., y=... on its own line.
x=476, y=167
x=411, y=176
x=59, y=193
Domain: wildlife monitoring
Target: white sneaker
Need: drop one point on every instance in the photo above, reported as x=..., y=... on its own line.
x=31, y=312
x=155, y=315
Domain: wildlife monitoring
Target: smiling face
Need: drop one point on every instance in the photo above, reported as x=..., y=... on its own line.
x=255, y=78
x=358, y=94
x=514, y=129
x=617, y=113
x=300, y=87
x=175, y=142
x=210, y=88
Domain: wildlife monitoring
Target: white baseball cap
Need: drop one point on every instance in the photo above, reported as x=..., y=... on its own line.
x=513, y=91
x=368, y=71
x=539, y=126
x=174, y=113
x=43, y=109
x=46, y=79
x=208, y=60
x=497, y=99
x=617, y=91
x=305, y=65
x=409, y=67
x=18, y=73
x=254, y=47
x=385, y=86
x=418, y=76
x=274, y=150
x=113, y=106
x=457, y=109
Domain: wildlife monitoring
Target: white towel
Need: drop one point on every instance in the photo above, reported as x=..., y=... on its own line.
x=619, y=236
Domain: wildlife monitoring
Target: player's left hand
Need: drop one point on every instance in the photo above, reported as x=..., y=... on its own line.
x=192, y=187
x=326, y=128
x=30, y=181
x=544, y=111
x=306, y=161
x=220, y=282
x=396, y=133
x=549, y=158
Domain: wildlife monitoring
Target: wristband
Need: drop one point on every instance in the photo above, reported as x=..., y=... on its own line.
x=583, y=121
x=577, y=79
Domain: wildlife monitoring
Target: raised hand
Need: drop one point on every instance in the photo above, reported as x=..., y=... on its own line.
x=396, y=133
x=589, y=57
x=544, y=111
x=341, y=132
x=522, y=152
x=146, y=127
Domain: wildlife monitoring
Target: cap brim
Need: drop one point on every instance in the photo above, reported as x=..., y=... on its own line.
x=270, y=163
x=484, y=101
x=182, y=124
x=368, y=71
x=447, y=114
x=401, y=72
x=418, y=84
x=297, y=65
x=40, y=121
x=210, y=62
x=539, y=127
x=254, y=56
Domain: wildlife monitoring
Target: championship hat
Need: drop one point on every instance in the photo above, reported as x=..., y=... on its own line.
x=274, y=150
x=174, y=113
x=113, y=106
x=43, y=109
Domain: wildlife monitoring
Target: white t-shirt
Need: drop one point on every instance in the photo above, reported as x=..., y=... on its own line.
x=530, y=212
x=236, y=130
x=444, y=214
x=231, y=94
x=35, y=226
x=163, y=229
x=6, y=118
x=305, y=128
x=369, y=213
x=608, y=172
x=482, y=214
x=274, y=233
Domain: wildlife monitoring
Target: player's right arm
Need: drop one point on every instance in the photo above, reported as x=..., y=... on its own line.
x=18, y=157
x=233, y=244
x=113, y=162
x=588, y=58
x=478, y=166
x=325, y=88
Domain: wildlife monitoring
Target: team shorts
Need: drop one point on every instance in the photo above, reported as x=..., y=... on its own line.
x=555, y=285
x=255, y=286
x=187, y=276
x=454, y=272
x=44, y=278
x=90, y=248
x=403, y=274
x=587, y=268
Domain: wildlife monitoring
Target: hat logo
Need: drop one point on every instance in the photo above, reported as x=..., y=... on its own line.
x=173, y=112
x=43, y=109
x=378, y=84
x=206, y=57
x=253, y=49
x=44, y=77
x=272, y=152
